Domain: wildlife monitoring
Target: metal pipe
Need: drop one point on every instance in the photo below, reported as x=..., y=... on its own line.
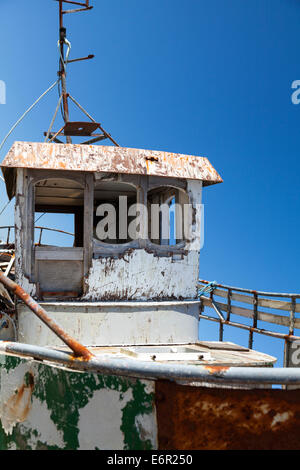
x=78, y=349
x=91, y=56
x=130, y=367
x=55, y=230
x=77, y=10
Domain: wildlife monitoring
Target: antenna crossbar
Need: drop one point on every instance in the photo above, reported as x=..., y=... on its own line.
x=86, y=4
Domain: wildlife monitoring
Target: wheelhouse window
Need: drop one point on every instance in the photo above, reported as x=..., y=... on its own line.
x=59, y=205
x=167, y=216
x=114, y=212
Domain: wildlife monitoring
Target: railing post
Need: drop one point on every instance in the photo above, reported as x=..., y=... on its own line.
x=221, y=328
x=40, y=238
x=229, y=304
x=255, y=304
x=287, y=346
x=8, y=236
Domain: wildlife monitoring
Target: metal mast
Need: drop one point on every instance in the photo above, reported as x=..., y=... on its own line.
x=83, y=128
x=62, y=70
x=69, y=129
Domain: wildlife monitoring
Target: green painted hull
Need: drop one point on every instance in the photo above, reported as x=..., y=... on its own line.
x=42, y=407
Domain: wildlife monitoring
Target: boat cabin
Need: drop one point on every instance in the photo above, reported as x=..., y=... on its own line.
x=137, y=231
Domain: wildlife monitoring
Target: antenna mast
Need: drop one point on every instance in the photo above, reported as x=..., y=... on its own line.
x=72, y=128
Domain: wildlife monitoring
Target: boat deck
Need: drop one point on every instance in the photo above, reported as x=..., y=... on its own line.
x=204, y=353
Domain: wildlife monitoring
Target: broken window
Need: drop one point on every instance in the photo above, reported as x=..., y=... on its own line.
x=167, y=216
x=59, y=204
x=58, y=260
x=114, y=212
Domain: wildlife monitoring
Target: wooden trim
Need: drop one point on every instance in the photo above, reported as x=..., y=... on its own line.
x=88, y=224
x=266, y=303
x=244, y=312
x=58, y=254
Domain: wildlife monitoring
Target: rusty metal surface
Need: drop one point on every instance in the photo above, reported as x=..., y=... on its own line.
x=192, y=418
x=80, y=128
x=90, y=158
x=79, y=350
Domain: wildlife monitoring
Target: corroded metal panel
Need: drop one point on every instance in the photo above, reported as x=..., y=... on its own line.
x=220, y=419
x=107, y=159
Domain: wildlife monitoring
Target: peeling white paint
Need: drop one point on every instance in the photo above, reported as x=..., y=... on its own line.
x=147, y=423
x=147, y=427
x=26, y=285
x=21, y=279
x=194, y=190
x=142, y=276
x=100, y=421
x=29, y=411
x=12, y=446
x=40, y=420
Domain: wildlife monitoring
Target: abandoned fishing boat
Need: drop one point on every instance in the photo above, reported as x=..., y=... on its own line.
x=99, y=340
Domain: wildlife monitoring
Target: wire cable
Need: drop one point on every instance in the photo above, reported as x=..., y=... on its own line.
x=26, y=112
x=5, y=207
x=54, y=117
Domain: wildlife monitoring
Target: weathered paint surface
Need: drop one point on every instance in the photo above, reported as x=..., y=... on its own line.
x=225, y=419
x=144, y=273
x=108, y=159
x=141, y=276
x=103, y=324
x=20, y=224
x=47, y=408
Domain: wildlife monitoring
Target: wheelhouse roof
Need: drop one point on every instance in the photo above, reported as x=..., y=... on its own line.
x=97, y=159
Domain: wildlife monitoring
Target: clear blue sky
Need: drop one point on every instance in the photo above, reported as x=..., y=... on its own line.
x=210, y=78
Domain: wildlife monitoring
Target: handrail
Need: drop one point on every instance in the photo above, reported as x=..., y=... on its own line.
x=249, y=291
x=11, y=227
x=126, y=366
x=236, y=297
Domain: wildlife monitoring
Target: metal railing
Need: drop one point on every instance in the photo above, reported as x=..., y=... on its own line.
x=234, y=305
x=11, y=228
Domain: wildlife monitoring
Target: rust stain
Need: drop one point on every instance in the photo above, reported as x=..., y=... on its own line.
x=198, y=418
x=18, y=406
x=216, y=369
